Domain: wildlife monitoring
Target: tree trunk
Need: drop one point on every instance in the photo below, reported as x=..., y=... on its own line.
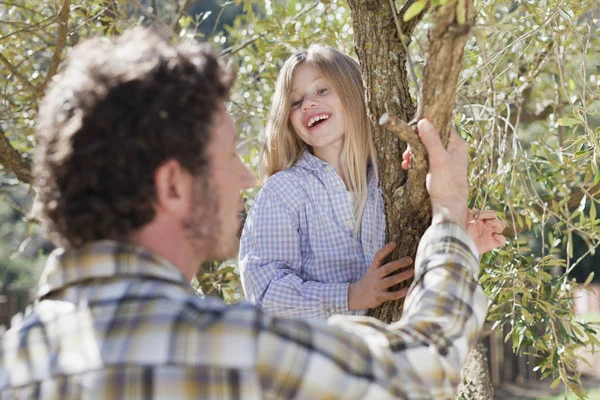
x=476, y=383
x=379, y=32
x=383, y=64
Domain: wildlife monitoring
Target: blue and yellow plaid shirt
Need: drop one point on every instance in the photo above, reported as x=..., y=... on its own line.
x=114, y=321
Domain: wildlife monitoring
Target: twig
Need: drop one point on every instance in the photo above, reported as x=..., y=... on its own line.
x=219, y=17
x=174, y=26
x=61, y=40
x=406, y=133
x=411, y=66
x=11, y=159
x=16, y=73
x=152, y=16
x=38, y=26
x=231, y=50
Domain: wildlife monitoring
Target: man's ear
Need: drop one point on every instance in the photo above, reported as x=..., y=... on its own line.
x=174, y=187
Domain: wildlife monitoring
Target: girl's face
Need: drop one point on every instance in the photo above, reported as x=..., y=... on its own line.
x=316, y=111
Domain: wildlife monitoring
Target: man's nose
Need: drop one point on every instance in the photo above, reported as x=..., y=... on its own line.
x=248, y=179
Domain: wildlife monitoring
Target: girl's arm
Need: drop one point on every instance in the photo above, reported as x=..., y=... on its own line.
x=270, y=265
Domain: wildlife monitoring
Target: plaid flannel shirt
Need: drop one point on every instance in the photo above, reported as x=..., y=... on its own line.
x=114, y=321
x=299, y=250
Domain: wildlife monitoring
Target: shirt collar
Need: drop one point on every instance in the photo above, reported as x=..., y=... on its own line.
x=309, y=161
x=103, y=259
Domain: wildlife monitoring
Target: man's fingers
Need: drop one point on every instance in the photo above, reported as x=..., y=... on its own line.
x=476, y=215
x=500, y=239
x=394, y=266
x=397, y=278
x=496, y=225
x=456, y=143
x=382, y=254
x=431, y=139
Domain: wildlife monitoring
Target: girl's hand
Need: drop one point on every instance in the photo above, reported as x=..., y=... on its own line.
x=372, y=289
x=486, y=229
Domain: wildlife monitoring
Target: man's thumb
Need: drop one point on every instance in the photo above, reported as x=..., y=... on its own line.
x=430, y=138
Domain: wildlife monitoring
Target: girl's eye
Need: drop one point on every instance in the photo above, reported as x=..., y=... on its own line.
x=296, y=103
x=322, y=91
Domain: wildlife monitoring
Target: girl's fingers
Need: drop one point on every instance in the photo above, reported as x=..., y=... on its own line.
x=397, y=278
x=398, y=294
x=394, y=266
x=382, y=254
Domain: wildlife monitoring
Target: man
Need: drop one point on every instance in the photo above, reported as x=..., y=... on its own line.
x=139, y=180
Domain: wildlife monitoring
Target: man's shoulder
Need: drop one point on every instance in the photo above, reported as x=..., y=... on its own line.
x=61, y=338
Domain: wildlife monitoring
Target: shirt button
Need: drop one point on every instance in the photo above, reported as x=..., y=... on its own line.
x=349, y=223
x=339, y=188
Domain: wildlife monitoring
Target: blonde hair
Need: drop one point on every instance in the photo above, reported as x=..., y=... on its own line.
x=283, y=147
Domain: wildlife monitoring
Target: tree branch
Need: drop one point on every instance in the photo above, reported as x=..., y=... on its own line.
x=409, y=26
x=61, y=40
x=152, y=16
x=12, y=160
x=407, y=133
x=174, y=25
x=401, y=36
x=18, y=75
x=447, y=40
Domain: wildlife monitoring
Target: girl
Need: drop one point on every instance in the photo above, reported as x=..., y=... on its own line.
x=310, y=245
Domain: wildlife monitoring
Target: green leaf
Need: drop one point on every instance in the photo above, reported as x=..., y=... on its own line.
x=414, y=10
x=570, y=244
x=555, y=383
x=597, y=178
x=589, y=279
x=566, y=15
x=514, y=6
x=593, y=211
x=568, y=121
x=461, y=12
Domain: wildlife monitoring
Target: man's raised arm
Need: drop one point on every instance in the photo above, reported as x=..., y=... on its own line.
x=419, y=357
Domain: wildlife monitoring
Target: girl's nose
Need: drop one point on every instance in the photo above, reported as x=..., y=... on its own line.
x=309, y=102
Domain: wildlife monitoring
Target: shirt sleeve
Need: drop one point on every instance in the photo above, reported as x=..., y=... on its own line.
x=270, y=264
x=420, y=356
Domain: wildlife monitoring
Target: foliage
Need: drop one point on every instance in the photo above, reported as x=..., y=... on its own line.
x=20, y=245
x=528, y=104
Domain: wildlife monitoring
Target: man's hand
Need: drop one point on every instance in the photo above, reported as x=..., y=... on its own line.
x=447, y=178
x=372, y=289
x=486, y=229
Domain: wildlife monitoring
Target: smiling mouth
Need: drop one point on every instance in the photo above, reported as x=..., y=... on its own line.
x=317, y=120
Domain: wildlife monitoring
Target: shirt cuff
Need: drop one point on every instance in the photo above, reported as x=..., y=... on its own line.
x=450, y=239
x=335, y=299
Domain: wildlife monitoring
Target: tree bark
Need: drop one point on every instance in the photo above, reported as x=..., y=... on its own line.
x=476, y=383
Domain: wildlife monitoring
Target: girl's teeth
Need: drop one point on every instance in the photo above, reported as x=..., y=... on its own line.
x=316, y=119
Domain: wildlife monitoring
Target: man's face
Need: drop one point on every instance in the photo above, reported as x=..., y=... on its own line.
x=217, y=204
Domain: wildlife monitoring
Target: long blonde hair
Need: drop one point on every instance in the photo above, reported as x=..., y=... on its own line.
x=283, y=147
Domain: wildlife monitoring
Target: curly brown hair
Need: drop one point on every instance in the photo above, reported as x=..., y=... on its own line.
x=119, y=109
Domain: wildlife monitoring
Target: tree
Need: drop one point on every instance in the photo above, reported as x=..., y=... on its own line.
x=382, y=43
x=526, y=100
